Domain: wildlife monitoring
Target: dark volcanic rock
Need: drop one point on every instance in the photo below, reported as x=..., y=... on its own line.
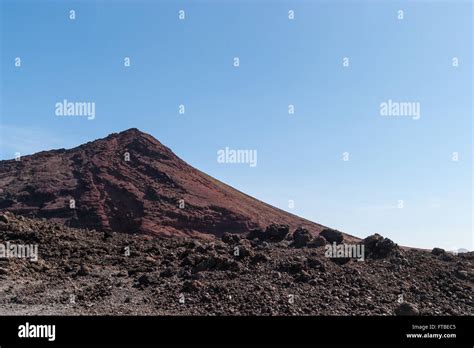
x=242, y=251
x=276, y=233
x=230, y=238
x=259, y=258
x=332, y=236
x=273, y=233
x=437, y=251
x=256, y=233
x=406, y=309
x=377, y=246
x=461, y=274
x=301, y=237
x=4, y=218
x=178, y=276
x=317, y=242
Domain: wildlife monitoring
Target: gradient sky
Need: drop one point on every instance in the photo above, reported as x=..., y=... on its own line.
x=283, y=62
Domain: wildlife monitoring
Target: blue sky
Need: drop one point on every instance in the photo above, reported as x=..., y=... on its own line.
x=282, y=62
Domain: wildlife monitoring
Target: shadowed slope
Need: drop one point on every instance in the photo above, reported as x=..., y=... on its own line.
x=139, y=195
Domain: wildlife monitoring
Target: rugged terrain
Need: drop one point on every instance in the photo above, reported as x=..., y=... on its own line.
x=129, y=182
x=275, y=272
x=124, y=226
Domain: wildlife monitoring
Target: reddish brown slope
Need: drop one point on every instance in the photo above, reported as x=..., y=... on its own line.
x=139, y=195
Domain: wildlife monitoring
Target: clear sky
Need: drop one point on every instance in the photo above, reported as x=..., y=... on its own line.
x=282, y=62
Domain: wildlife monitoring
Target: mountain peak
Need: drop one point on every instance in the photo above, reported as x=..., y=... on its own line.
x=130, y=182
x=130, y=133
x=131, y=141
x=132, y=130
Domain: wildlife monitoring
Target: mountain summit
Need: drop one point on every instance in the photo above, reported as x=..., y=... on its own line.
x=130, y=182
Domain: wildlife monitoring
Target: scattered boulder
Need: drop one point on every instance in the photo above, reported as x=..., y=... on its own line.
x=317, y=242
x=438, y=251
x=150, y=259
x=273, y=233
x=143, y=280
x=255, y=234
x=301, y=237
x=446, y=257
x=107, y=235
x=4, y=218
x=378, y=247
x=461, y=274
x=406, y=309
x=276, y=233
x=230, y=238
x=217, y=263
x=332, y=236
x=242, y=251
